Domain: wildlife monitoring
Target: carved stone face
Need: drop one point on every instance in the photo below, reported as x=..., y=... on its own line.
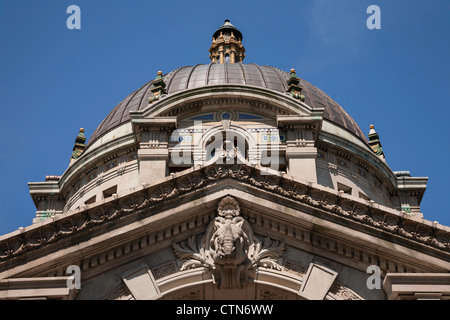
x=229, y=247
x=228, y=243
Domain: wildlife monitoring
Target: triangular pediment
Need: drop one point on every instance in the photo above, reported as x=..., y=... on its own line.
x=304, y=216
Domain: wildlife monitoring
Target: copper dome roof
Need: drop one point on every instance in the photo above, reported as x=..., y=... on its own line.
x=190, y=77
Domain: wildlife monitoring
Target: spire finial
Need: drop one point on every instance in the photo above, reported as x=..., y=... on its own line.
x=293, y=86
x=158, y=88
x=79, y=146
x=374, y=142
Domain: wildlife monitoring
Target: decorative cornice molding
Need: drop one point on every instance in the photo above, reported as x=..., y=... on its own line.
x=366, y=213
x=227, y=101
x=228, y=94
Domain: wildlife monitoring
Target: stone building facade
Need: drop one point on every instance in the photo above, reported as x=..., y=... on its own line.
x=228, y=181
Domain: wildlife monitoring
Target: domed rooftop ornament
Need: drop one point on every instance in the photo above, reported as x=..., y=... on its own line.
x=374, y=142
x=79, y=146
x=158, y=88
x=227, y=45
x=227, y=27
x=293, y=86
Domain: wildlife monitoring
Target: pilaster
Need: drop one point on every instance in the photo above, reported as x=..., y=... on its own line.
x=47, y=198
x=153, y=153
x=301, y=152
x=408, y=192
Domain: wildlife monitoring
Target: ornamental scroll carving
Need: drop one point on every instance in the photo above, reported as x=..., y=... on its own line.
x=229, y=249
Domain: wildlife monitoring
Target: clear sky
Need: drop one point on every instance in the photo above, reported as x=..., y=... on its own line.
x=54, y=81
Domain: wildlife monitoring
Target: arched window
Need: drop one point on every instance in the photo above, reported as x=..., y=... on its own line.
x=227, y=58
x=227, y=147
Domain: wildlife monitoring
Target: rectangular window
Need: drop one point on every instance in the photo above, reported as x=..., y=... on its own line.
x=109, y=192
x=363, y=196
x=90, y=200
x=344, y=188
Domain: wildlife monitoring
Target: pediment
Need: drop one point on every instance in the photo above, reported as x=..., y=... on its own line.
x=227, y=261
x=152, y=217
x=246, y=98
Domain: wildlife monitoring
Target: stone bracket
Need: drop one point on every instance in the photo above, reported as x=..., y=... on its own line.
x=317, y=282
x=141, y=284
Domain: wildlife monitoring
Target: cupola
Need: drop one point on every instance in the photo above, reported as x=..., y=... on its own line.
x=227, y=45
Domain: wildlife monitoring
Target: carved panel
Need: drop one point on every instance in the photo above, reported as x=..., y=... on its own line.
x=164, y=270
x=294, y=268
x=343, y=292
x=229, y=248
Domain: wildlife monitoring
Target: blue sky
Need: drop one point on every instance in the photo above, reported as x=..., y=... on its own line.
x=54, y=81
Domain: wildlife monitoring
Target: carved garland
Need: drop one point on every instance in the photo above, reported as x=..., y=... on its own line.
x=65, y=226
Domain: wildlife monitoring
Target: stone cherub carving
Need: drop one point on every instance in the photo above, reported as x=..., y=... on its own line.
x=229, y=248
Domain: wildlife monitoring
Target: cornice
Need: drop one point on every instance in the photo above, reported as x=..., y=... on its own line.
x=74, y=224
x=230, y=92
x=381, y=169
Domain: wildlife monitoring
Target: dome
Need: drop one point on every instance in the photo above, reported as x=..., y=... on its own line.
x=200, y=75
x=239, y=116
x=226, y=180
